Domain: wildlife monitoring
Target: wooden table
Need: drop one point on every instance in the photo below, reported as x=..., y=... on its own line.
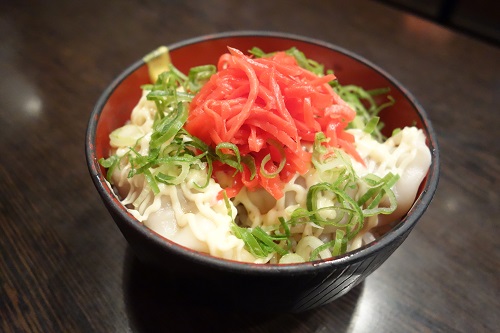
x=65, y=267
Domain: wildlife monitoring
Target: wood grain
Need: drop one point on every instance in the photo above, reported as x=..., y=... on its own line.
x=64, y=266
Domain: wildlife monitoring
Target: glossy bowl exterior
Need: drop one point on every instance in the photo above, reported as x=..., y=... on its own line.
x=294, y=287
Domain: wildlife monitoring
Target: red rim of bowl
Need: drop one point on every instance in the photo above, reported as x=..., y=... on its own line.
x=408, y=222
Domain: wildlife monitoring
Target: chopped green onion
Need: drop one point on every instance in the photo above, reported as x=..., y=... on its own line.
x=285, y=226
x=151, y=181
x=209, y=175
x=199, y=75
x=321, y=248
x=378, y=188
x=267, y=158
x=110, y=164
x=127, y=135
x=168, y=126
x=371, y=125
x=268, y=240
x=377, y=192
x=291, y=258
x=181, y=167
x=365, y=105
x=258, y=249
x=249, y=161
x=302, y=60
x=233, y=160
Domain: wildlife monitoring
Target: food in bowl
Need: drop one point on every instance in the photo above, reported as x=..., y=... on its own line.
x=264, y=158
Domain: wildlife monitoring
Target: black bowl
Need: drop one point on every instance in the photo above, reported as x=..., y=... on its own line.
x=291, y=287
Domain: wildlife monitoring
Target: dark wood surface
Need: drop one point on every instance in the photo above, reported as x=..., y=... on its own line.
x=65, y=267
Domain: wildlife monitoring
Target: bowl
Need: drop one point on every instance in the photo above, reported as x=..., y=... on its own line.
x=290, y=287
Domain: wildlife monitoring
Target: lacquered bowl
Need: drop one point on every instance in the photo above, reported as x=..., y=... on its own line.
x=292, y=287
